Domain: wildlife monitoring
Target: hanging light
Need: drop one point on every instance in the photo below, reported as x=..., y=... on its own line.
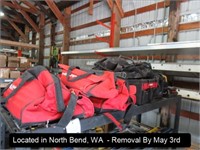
x=1, y=14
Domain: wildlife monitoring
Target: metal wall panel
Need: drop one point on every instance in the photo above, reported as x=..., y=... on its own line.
x=128, y=5
x=59, y=38
x=37, y=35
x=192, y=35
x=144, y=40
x=47, y=41
x=100, y=11
x=46, y=62
x=89, y=30
x=80, y=3
x=58, y=27
x=37, y=42
x=47, y=29
x=82, y=63
x=154, y=121
x=47, y=52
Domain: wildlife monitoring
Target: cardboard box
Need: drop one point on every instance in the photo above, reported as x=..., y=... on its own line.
x=3, y=60
x=24, y=62
x=4, y=72
x=13, y=59
x=14, y=74
x=13, y=62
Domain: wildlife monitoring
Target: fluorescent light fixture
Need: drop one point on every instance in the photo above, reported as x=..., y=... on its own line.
x=1, y=14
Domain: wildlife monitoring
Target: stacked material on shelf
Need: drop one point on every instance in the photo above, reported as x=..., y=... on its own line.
x=4, y=72
x=3, y=60
x=13, y=62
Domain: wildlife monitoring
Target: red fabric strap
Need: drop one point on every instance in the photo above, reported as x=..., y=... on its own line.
x=113, y=119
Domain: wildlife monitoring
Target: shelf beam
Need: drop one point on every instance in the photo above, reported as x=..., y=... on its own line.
x=17, y=44
x=183, y=48
x=177, y=67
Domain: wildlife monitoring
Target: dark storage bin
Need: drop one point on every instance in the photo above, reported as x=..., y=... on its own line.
x=145, y=89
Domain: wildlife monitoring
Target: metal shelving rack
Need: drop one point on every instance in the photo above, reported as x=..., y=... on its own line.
x=100, y=120
x=170, y=48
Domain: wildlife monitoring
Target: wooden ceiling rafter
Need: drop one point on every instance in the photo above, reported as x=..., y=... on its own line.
x=30, y=5
x=11, y=5
x=16, y=28
x=56, y=11
x=45, y=11
x=21, y=18
x=26, y=16
x=14, y=19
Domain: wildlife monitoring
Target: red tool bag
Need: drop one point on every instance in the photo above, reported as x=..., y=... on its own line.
x=106, y=93
x=38, y=96
x=124, y=98
x=99, y=86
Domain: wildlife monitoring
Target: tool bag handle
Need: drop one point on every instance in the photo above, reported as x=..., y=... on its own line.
x=26, y=76
x=78, y=77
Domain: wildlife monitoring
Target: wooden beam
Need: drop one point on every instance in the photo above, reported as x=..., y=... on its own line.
x=55, y=10
x=189, y=26
x=188, y=114
x=33, y=55
x=52, y=37
x=119, y=6
x=30, y=5
x=174, y=20
x=27, y=30
x=147, y=8
x=45, y=11
x=27, y=17
x=110, y=4
x=17, y=44
x=124, y=36
x=16, y=18
x=12, y=5
x=90, y=24
x=116, y=15
x=84, y=6
x=126, y=14
x=90, y=9
x=33, y=37
x=16, y=28
x=21, y=17
x=13, y=20
x=52, y=34
x=66, y=34
x=144, y=33
x=31, y=22
x=172, y=36
x=41, y=38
